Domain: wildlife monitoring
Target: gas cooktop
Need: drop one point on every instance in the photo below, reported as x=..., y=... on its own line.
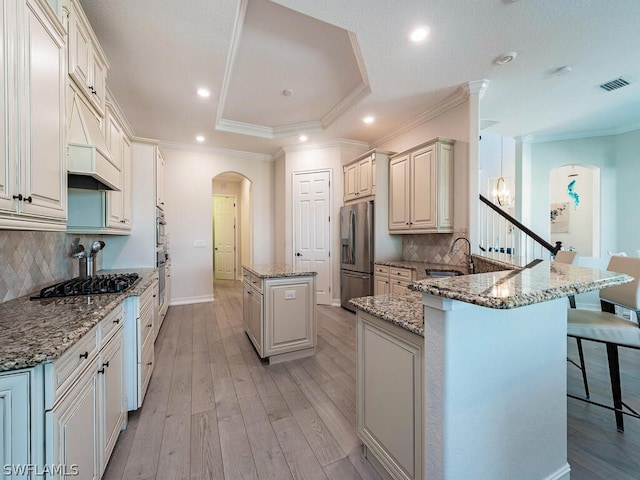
x=112, y=283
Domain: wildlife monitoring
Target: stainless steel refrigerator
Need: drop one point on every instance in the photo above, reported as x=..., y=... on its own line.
x=356, y=252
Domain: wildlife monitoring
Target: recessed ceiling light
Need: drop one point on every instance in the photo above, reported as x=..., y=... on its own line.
x=565, y=70
x=505, y=58
x=287, y=92
x=303, y=138
x=200, y=138
x=368, y=119
x=203, y=92
x=419, y=34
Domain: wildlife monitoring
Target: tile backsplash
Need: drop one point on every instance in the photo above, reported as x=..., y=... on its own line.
x=32, y=260
x=434, y=248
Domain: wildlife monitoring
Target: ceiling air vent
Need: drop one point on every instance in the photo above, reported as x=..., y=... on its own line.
x=614, y=84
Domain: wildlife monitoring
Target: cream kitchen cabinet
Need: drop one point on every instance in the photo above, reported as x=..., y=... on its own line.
x=159, y=180
x=279, y=315
x=118, y=203
x=359, y=178
x=88, y=400
x=392, y=279
x=421, y=188
x=88, y=64
x=33, y=180
x=389, y=395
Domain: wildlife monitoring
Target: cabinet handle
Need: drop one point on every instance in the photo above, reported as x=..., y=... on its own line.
x=149, y=364
x=84, y=355
x=154, y=295
x=150, y=325
x=116, y=321
x=104, y=365
x=18, y=197
x=407, y=223
x=28, y=199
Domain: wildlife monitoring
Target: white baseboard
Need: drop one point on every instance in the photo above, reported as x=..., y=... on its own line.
x=190, y=300
x=336, y=302
x=561, y=474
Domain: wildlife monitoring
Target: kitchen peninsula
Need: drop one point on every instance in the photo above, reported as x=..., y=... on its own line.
x=279, y=310
x=493, y=365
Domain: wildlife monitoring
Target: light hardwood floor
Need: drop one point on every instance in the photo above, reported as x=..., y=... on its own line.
x=215, y=411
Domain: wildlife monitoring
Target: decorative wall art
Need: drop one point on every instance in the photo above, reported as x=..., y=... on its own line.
x=560, y=217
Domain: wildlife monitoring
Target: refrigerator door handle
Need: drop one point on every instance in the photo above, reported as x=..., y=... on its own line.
x=352, y=236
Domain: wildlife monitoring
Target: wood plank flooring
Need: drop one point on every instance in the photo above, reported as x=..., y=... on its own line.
x=214, y=410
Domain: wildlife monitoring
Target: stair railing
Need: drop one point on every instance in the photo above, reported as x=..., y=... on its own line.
x=501, y=232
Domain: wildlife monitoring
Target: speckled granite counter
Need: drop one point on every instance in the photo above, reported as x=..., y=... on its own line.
x=277, y=271
x=517, y=288
x=38, y=331
x=404, y=310
x=421, y=267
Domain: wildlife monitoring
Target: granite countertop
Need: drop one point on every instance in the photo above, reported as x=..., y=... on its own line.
x=402, y=309
x=517, y=288
x=421, y=267
x=277, y=270
x=39, y=331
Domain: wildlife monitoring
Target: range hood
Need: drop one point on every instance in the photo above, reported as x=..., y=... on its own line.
x=88, y=159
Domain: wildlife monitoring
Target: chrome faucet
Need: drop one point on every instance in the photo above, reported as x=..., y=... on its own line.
x=470, y=266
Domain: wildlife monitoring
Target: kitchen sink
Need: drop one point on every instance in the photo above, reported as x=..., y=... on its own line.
x=443, y=273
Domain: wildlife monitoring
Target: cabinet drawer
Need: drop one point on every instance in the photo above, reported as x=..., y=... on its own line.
x=110, y=324
x=147, y=297
x=68, y=367
x=256, y=282
x=146, y=369
x=401, y=273
x=381, y=269
x=146, y=325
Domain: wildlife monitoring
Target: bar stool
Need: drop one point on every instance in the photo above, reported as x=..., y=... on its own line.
x=611, y=329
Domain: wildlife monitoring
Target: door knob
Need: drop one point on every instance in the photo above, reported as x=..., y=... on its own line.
x=298, y=254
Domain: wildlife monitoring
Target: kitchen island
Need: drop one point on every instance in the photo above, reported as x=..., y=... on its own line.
x=494, y=371
x=279, y=311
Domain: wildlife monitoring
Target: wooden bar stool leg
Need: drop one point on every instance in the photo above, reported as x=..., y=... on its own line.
x=583, y=367
x=616, y=389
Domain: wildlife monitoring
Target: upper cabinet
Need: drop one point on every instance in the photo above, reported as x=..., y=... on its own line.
x=33, y=134
x=87, y=63
x=421, y=188
x=159, y=180
x=119, y=202
x=359, y=178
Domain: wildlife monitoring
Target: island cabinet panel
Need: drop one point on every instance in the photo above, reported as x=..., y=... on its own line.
x=279, y=315
x=15, y=436
x=390, y=419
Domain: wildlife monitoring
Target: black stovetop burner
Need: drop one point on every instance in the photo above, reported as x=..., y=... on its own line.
x=112, y=283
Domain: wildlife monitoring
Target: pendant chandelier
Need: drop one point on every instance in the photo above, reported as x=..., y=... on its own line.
x=501, y=193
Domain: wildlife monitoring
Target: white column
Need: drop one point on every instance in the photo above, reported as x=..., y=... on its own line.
x=495, y=391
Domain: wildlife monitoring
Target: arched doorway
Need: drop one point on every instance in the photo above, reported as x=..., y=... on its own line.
x=574, y=192
x=232, y=220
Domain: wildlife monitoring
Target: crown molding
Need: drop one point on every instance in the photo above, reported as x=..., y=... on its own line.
x=579, y=135
x=338, y=142
x=476, y=86
x=457, y=98
x=215, y=151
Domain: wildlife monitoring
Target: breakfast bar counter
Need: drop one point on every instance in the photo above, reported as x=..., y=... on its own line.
x=493, y=377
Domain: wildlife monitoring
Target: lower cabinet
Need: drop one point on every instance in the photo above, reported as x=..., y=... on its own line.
x=389, y=395
x=87, y=418
x=392, y=279
x=279, y=315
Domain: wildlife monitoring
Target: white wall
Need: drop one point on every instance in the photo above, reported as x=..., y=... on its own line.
x=188, y=177
x=280, y=181
x=628, y=179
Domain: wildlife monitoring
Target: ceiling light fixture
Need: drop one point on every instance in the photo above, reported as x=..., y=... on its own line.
x=200, y=138
x=303, y=138
x=419, y=34
x=501, y=193
x=368, y=119
x=505, y=58
x=203, y=92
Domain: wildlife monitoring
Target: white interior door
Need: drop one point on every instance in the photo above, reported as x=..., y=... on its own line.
x=312, y=232
x=224, y=237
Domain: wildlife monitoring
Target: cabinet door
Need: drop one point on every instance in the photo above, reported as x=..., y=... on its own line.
x=15, y=440
x=127, y=191
x=75, y=428
x=246, y=305
x=97, y=81
x=80, y=51
x=8, y=158
x=423, y=191
x=398, y=286
x=365, y=177
x=256, y=320
x=399, y=174
x=43, y=172
x=444, y=187
x=115, y=198
x=159, y=179
x=380, y=284
x=350, y=182
x=112, y=396
x=389, y=391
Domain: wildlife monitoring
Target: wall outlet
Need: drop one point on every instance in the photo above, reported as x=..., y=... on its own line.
x=199, y=243
x=289, y=294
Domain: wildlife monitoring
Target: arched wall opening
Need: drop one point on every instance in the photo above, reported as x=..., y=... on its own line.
x=232, y=232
